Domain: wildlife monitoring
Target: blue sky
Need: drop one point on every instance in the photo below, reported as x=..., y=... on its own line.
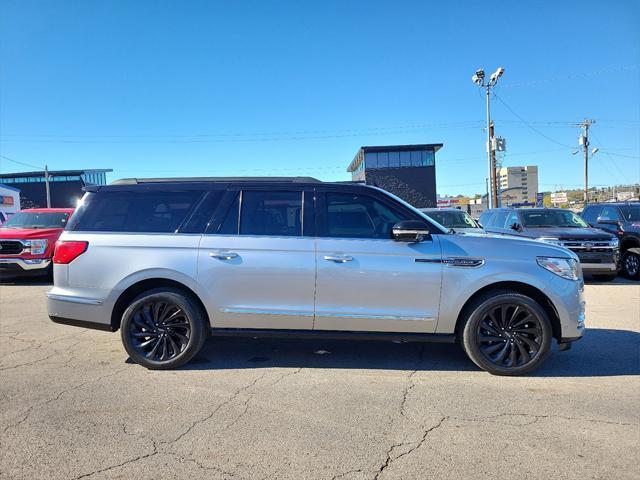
x=171, y=88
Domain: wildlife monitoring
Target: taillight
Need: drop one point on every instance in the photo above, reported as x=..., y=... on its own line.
x=67, y=252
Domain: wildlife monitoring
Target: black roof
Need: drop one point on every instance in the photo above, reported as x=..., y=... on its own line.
x=136, y=181
x=215, y=183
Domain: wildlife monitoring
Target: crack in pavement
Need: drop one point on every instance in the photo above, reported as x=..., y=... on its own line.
x=344, y=474
x=57, y=396
x=215, y=410
x=535, y=418
x=390, y=459
x=412, y=384
x=250, y=398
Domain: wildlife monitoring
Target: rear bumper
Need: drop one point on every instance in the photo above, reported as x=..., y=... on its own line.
x=79, y=310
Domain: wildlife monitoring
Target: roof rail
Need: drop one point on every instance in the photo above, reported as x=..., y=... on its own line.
x=135, y=181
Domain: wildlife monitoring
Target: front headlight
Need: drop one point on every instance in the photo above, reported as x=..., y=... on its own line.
x=38, y=246
x=564, y=267
x=615, y=243
x=552, y=241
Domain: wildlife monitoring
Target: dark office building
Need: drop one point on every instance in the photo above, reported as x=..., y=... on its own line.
x=408, y=171
x=65, y=186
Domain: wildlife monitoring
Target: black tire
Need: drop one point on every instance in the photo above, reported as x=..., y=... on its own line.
x=163, y=329
x=506, y=333
x=630, y=265
x=606, y=277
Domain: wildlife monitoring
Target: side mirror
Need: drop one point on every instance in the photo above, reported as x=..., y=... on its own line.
x=410, y=231
x=516, y=227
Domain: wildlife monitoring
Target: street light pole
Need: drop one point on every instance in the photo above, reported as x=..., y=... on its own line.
x=584, y=141
x=46, y=184
x=479, y=79
x=492, y=171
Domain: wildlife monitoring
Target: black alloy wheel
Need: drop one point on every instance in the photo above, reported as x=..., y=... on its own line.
x=631, y=265
x=509, y=335
x=506, y=333
x=160, y=330
x=163, y=329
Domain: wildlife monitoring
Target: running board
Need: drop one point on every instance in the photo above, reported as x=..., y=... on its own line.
x=333, y=335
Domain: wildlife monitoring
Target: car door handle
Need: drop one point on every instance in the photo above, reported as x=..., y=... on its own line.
x=338, y=258
x=223, y=255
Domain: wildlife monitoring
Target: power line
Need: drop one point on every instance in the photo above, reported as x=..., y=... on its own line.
x=254, y=136
x=22, y=163
x=531, y=126
x=594, y=73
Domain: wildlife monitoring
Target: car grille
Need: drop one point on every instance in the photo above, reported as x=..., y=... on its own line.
x=11, y=247
x=588, y=245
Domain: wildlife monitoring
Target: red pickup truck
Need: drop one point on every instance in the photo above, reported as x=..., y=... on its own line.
x=27, y=241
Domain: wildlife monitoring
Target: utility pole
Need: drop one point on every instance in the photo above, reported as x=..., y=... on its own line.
x=492, y=163
x=479, y=79
x=584, y=143
x=46, y=184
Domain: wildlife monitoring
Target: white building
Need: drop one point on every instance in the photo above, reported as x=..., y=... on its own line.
x=520, y=183
x=9, y=199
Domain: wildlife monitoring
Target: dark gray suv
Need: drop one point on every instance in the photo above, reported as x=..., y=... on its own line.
x=596, y=249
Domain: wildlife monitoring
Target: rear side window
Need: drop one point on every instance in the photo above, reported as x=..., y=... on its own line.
x=136, y=212
x=271, y=213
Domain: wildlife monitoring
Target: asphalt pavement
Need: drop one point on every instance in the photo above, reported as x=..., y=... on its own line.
x=74, y=406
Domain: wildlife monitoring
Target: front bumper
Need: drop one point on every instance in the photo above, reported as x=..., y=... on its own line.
x=599, y=267
x=16, y=266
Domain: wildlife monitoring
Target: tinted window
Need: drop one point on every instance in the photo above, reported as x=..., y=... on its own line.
x=230, y=224
x=137, y=212
x=359, y=216
x=271, y=213
x=37, y=220
x=590, y=214
x=631, y=213
x=199, y=220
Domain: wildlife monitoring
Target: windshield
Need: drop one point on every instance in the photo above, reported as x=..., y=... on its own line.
x=552, y=218
x=450, y=219
x=37, y=220
x=631, y=213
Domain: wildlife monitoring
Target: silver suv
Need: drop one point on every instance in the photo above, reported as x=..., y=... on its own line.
x=171, y=261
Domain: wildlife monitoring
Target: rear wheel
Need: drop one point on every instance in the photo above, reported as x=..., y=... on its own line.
x=631, y=264
x=507, y=333
x=163, y=329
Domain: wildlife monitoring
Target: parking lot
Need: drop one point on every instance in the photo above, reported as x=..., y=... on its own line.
x=74, y=406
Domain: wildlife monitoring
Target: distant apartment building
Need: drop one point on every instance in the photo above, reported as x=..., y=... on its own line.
x=518, y=185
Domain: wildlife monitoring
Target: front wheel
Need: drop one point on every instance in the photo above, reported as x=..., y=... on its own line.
x=631, y=264
x=163, y=329
x=507, y=333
